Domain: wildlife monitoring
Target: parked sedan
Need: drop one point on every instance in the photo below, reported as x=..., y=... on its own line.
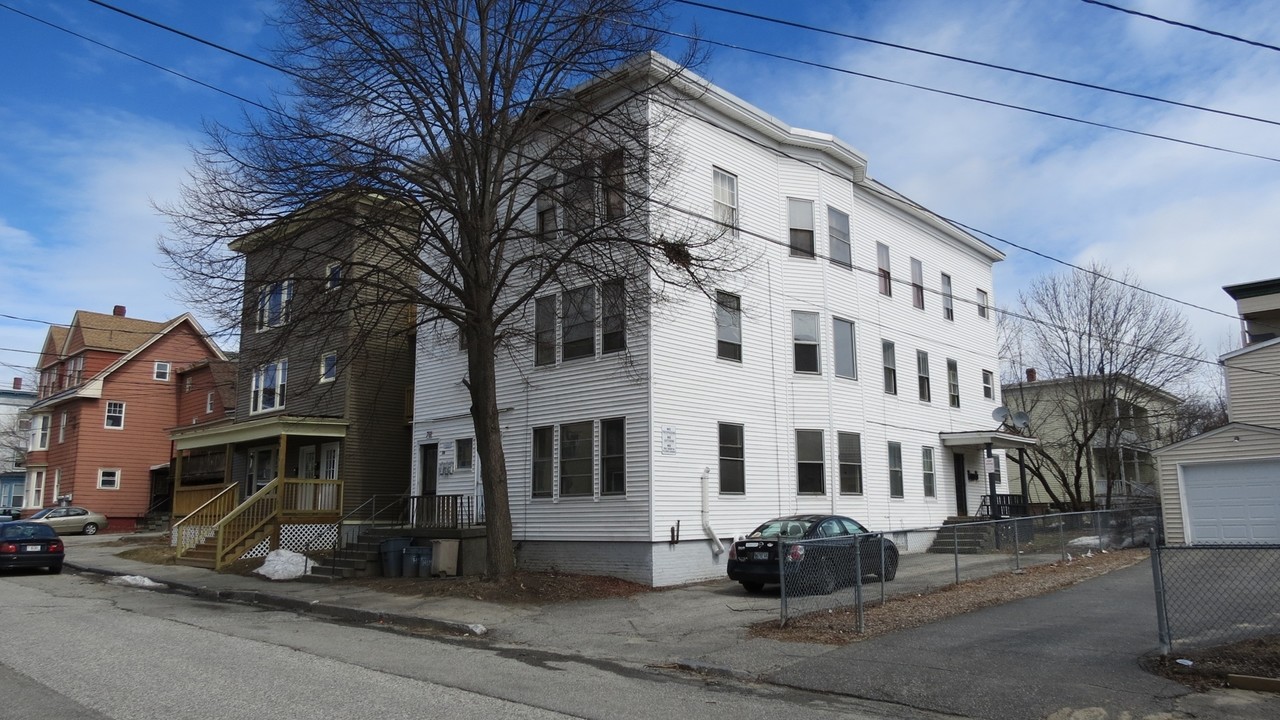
x=820, y=553
x=27, y=544
x=71, y=520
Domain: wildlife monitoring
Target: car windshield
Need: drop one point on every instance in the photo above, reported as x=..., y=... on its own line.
x=22, y=531
x=41, y=514
x=784, y=527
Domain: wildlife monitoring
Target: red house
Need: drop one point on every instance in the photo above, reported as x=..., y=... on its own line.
x=106, y=402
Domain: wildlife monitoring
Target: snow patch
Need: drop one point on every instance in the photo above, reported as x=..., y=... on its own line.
x=285, y=565
x=136, y=581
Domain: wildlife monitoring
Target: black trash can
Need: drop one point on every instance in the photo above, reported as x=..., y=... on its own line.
x=417, y=561
x=393, y=555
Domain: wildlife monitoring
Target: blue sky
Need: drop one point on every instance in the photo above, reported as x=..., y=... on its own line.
x=90, y=139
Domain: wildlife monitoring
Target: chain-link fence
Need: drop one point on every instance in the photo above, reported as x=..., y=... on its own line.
x=824, y=573
x=1215, y=594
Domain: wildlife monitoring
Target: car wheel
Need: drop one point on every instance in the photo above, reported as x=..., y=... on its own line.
x=90, y=529
x=752, y=587
x=55, y=569
x=890, y=569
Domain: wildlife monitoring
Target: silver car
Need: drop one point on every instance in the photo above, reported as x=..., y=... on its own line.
x=71, y=520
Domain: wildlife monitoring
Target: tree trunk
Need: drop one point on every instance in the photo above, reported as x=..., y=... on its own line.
x=482, y=384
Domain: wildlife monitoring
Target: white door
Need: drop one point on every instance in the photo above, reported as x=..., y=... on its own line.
x=307, y=468
x=1232, y=502
x=327, y=499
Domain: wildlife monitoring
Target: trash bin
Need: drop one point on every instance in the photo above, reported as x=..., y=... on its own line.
x=393, y=555
x=417, y=561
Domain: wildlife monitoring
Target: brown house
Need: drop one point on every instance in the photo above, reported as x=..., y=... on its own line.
x=105, y=403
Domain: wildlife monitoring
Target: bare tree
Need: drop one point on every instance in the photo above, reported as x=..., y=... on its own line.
x=14, y=431
x=1107, y=356
x=457, y=122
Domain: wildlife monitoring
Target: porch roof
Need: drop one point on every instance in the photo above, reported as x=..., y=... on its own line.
x=998, y=439
x=268, y=427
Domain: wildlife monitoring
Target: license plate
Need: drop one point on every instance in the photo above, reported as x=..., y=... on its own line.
x=32, y=548
x=760, y=556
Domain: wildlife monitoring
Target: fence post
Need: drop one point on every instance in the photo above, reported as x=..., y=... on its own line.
x=782, y=578
x=955, y=544
x=1157, y=576
x=882, y=581
x=1017, y=561
x=857, y=583
x=1098, y=521
x=1062, y=537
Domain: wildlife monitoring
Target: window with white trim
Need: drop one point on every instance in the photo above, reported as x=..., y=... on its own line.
x=953, y=383
x=273, y=304
x=62, y=428
x=463, y=452
x=546, y=207
x=948, y=301
x=115, y=415
x=800, y=220
x=613, y=317
x=208, y=403
x=882, y=266
x=580, y=198
x=984, y=304
x=804, y=329
x=896, y=489
x=269, y=381
x=929, y=476
x=849, y=449
x=544, y=322
x=732, y=459
x=890, y=367
x=922, y=375
x=988, y=385
x=161, y=372
x=578, y=334
x=917, y=283
x=613, y=184
x=810, y=469
x=844, y=341
x=841, y=250
x=332, y=276
x=544, y=461
x=613, y=456
x=40, y=431
x=724, y=202
x=328, y=367
x=576, y=471
x=728, y=326
x=108, y=478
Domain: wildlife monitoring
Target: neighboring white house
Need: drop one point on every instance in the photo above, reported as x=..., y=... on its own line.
x=850, y=370
x=1224, y=486
x=15, y=426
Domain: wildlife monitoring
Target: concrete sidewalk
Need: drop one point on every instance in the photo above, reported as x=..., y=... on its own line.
x=1067, y=653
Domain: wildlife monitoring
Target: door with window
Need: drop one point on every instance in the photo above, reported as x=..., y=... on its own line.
x=262, y=467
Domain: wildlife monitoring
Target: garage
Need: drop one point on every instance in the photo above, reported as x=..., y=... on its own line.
x=1232, y=502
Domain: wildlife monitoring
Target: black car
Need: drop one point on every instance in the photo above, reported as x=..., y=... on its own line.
x=26, y=544
x=821, y=565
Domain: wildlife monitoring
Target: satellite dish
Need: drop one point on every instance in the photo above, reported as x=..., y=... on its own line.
x=1000, y=414
x=1022, y=420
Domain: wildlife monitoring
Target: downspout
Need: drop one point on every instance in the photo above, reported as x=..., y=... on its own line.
x=716, y=547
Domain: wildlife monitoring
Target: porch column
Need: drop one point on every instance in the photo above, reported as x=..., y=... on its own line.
x=177, y=472
x=992, y=507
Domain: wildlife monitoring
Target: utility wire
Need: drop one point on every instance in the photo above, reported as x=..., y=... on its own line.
x=970, y=61
x=1188, y=26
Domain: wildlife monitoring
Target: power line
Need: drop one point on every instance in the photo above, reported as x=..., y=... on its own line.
x=1188, y=26
x=970, y=61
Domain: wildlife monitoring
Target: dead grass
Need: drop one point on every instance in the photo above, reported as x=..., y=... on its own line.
x=530, y=588
x=1209, y=667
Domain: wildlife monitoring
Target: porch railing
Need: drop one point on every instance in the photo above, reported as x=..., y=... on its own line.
x=200, y=523
x=1005, y=505
x=187, y=500
x=442, y=511
x=258, y=511
x=303, y=499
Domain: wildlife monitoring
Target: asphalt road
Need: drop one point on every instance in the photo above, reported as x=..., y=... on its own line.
x=77, y=647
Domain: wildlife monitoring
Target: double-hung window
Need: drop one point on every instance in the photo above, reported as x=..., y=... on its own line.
x=273, y=304
x=332, y=276
x=580, y=198
x=844, y=340
x=988, y=385
x=930, y=478
x=109, y=478
x=953, y=383
x=838, y=232
x=725, y=201
x=732, y=471
x=161, y=371
x=800, y=219
x=544, y=461
x=895, y=470
x=578, y=337
x=208, y=403
x=890, y=367
x=809, y=462
x=948, y=301
x=613, y=456
x=850, y=451
x=576, y=471
x=613, y=181
x=984, y=304
x=115, y=415
x=40, y=432
x=463, y=453
x=917, y=283
x=546, y=208
x=728, y=326
x=882, y=265
x=613, y=317
x=922, y=373
x=268, y=386
x=62, y=428
x=544, y=330
x=804, y=328
x=328, y=367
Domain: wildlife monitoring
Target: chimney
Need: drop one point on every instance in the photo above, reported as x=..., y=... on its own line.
x=118, y=311
x=17, y=383
x=1031, y=374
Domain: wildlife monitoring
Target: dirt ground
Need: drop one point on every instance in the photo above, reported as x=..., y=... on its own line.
x=1209, y=667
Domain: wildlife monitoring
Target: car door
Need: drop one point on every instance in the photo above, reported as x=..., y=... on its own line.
x=57, y=519
x=837, y=548
x=868, y=545
x=76, y=518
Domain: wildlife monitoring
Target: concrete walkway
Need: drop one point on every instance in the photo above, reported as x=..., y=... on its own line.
x=1070, y=654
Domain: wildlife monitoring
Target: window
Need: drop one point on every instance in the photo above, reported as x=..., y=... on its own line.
x=890, y=367
x=724, y=201
x=930, y=479
x=161, y=372
x=988, y=385
x=543, y=460
x=917, y=283
x=845, y=348
x=115, y=414
x=953, y=383
x=984, y=302
x=188, y=384
x=75, y=369
x=732, y=471
x=613, y=317
x=546, y=229
x=895, y=470
x=614, y=181
x=273, y=304
x=40, y=432
x=804, y=329
x=545, y=331
x=332, y=276
x=62, y=428
x=838, y=232
x=809, y=470
x=922, y=374
x=578, y=338
x=849, y=447
x=882, y=262
x=800, y=218
x=576, y=471
x=580, y=198
x=269, y=386
x=208, y=403
x=328, y=367
x=463, y=451
x=728, y=326
x=109, y=478
x=948, y=308
x=613, y=456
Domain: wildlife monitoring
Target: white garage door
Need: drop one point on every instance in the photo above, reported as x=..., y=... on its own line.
x=1237, y=502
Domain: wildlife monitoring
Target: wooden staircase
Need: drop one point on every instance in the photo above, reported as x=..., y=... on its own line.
x=205, y=553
